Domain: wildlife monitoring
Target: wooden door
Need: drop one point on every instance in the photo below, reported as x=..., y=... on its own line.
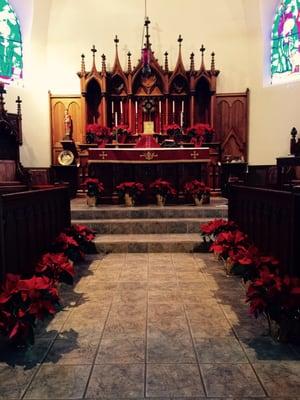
x=231, y=124
x=58, y=106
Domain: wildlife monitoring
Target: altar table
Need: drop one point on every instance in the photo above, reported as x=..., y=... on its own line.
x=177, y=165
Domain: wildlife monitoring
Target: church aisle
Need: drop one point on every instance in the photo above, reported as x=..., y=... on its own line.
x=153, y=325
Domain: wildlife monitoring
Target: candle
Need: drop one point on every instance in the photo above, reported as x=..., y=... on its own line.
x=136, y=107
x=121, y=107
x=181, y=119
x=182, y=106
x=159, y=106
x=173, y=107
x=112, y=108
x=116, y=118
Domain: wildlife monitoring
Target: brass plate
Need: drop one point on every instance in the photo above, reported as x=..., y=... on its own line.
x=66, y=157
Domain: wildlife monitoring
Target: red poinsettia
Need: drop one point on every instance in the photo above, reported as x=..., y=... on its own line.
x=83, y=236
x=132, y=188
x=227, y=244
x=56, y=266
x=195, y=188
x=69, y=246
x=216, y=226
x=22, y=301
x=162, y=187
x=93, y=186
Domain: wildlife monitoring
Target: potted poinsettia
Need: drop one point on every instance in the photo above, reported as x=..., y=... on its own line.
x=94, y=187
x=200, y=133
x=129, y=192
x=198, y=191
x=162, y=189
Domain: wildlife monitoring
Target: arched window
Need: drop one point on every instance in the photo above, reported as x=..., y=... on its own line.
x=11, y=62
x=285, y=51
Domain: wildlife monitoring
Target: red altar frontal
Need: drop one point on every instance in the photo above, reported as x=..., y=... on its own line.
x=178, y=165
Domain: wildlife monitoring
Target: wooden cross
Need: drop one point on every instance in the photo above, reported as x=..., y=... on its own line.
x=194, y=155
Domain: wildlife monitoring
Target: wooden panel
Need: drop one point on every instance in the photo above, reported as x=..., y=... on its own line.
x=231, y=124
x=271, y=218
x=58, y=106
x=29, y=221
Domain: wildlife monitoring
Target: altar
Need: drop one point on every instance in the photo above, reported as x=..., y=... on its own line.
x=178, y=165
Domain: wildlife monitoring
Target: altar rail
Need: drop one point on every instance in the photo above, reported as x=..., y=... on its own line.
x=29, y=221
x=271, y=218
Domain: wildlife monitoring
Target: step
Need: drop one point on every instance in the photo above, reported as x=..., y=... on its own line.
x=143, y=225
x=148, y=243
x=122, y=212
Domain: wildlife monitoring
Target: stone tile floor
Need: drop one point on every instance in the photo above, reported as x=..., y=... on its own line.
x=156, y=326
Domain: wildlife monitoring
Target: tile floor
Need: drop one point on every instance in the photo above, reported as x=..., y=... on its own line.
x=157, y=326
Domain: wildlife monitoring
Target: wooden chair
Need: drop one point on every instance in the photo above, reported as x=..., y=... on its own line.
x=13, y=176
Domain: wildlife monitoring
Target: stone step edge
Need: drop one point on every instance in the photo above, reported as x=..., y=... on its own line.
x=148, y=238
x=139, y=220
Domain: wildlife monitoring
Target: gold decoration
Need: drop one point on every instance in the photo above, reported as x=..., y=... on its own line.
x=148, y=155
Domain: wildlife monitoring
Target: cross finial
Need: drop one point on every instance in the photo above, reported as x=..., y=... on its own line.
x=166, y=61
x=103, y=63
x=116, y=40
x=192, y=68
x=179, y=40
x=93, y=49
x=129, y=61
x=202, y=49
x=212, y=67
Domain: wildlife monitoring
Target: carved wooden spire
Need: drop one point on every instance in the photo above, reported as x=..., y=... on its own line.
x=166, y=62
x=179, y=69
x=212, y=65
x=94, y=51
x=192, y=67
x=19, y=113
x=82, y=64
x=202, y=49
x=117, y=66
x=103, y=63
x=129, y=68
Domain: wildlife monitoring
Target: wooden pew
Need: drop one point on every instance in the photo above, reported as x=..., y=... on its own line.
x=29, y=221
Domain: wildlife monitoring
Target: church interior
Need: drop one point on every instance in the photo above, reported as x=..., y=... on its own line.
x=149, y=220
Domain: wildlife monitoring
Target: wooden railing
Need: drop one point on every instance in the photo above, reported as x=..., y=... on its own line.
x=29, y=221
x=271, y=218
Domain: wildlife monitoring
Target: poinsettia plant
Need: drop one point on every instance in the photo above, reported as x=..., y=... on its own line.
x=57, y=267
x=172, y=130
x=196, y=188
x=227, y=244
x=22, y=301
x=69, y=246
x=133, y=189
x=93, y=186
x=95, y=133
x=84, y=236
x=162, y=187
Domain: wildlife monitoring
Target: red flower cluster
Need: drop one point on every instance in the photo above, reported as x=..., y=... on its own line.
x=22, y=301
x=228, y=244
x=216, y=226
x=93, y=186
x=172, y=129
x=164, y=188
x=132, y=188
x=83, y=236
x=195, y=188
x=199, y=130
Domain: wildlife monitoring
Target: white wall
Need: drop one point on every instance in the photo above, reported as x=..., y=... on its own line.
x=234, y=29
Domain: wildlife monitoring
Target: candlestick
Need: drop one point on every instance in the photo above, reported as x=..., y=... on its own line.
x=116, y=118
x=112, y=108
x=181, y=119
x=182, y=106
x=173, y=107
x=159, y=107
x=136, y=107
x=121, y=107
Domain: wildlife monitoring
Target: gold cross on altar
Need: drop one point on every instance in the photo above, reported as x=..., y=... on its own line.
x=103, y=155
x=149, y=156
x=194, y=155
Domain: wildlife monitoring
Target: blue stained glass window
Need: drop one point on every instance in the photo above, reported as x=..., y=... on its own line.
x=11, y=60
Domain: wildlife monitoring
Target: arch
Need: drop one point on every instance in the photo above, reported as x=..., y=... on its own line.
x=11, y=51
x=285, y=46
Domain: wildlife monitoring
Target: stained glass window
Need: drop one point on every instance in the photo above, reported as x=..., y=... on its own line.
x=11, y=62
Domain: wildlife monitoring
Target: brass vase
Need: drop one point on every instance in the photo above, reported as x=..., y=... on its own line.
x=129, y=200
x=91, y=201
x=160, y=200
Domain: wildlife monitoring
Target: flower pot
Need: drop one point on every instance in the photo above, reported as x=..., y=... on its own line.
x=129, y=201
x=91, y=201
x=160, y=200
x=198, y=201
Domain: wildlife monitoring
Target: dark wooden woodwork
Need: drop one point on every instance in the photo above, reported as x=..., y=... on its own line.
x=67, y=175
x=13, y=176
x=271, y=218
x=262, y=176
x=232, y=172
x=231, y=125
x=29, y=221
x=288, y=173
x=112, y=174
